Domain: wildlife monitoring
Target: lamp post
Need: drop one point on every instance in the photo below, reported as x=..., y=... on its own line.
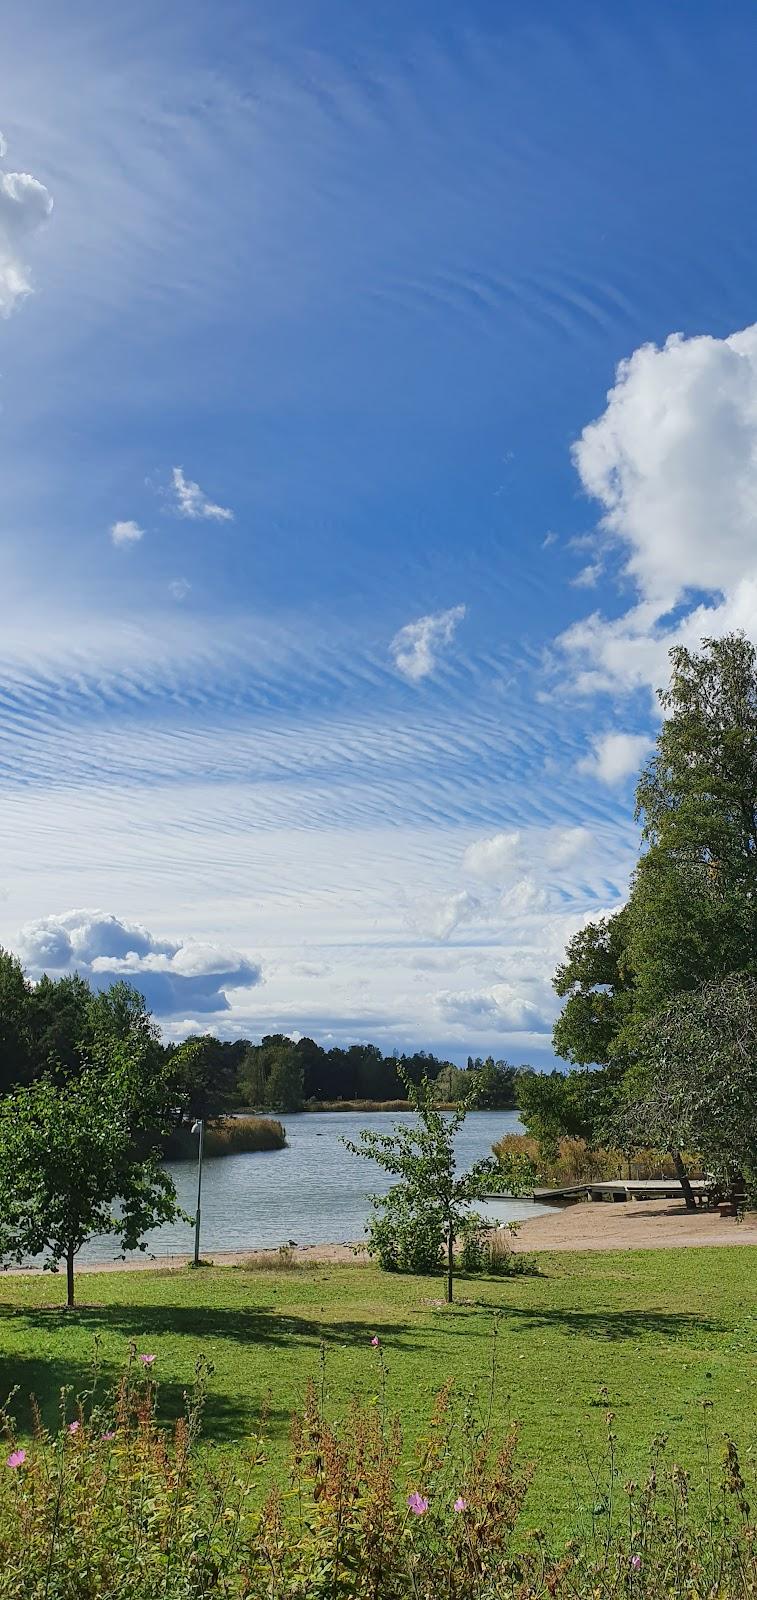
x=198, y=1127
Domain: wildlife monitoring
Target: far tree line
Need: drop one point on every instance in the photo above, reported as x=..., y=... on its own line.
x=47, y=1028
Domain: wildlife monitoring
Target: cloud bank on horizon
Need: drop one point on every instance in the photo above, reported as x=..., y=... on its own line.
x=348, y=712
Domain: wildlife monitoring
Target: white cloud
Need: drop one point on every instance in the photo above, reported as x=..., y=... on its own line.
x=173, y=976
x=524, y=897
x=25, y=204
x=565, y=845
x=501, y=1006
x=126, y=533
x=493, y=857
x=616, y=756
x=673, y=463
x=179, y=588
x=437, y=916
x=192, y=502
x=415, y=648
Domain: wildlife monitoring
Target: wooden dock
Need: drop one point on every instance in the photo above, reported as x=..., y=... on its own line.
x=617, y=1189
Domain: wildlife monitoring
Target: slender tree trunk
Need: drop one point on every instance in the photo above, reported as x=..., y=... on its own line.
x=70, y=1278
x=684, y=1180
x=450, y=1263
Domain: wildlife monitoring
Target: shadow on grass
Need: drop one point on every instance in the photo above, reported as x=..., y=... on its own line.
x=244, y=1325
x=226, y=1418
x=600, y=1324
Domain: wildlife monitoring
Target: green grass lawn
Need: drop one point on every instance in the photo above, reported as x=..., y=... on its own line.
x=664, y=1330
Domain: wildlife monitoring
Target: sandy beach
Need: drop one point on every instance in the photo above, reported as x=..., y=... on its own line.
x=631, y=1225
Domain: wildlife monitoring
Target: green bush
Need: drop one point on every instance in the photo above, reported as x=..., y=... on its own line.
x=113, y=1507
x=404, y=1238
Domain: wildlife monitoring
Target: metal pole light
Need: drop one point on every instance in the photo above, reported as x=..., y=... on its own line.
x=198, y=1127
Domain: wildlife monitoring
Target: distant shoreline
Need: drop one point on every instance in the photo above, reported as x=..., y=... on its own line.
x=388, y=1106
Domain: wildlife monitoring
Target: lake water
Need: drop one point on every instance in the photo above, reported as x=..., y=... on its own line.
x=313, y=1192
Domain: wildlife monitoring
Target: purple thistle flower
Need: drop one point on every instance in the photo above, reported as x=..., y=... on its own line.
x=375, y=1341
x=417, y=1503
x=106, y=1436
x=16, y=1458
x=73, y=1427
x=461, y=1504
x=636, y=1563
x=146, y=1361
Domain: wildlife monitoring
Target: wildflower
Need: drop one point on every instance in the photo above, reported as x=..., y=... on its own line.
x=106, y=1436
x=417, y=1504
x=146, y=1361
x=461, y=1504
x=636, y=1563
x=16, y=1458
x=73, y=1427
x=375, y=1341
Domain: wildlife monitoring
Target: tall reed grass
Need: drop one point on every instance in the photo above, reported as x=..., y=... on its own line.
x=577, y=1162
x=233, y=1136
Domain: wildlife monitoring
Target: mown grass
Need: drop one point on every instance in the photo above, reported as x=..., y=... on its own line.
x=663, y=1331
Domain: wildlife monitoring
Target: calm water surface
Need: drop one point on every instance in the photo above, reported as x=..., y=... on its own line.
x=313, y=1192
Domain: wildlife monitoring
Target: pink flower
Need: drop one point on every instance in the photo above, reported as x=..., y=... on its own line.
x=636, y=1563
x=461, y=1504
x=73, y=1427
x=146, y=1361
x=16, y=1458
x=106, y=1436
x=375, y=1341
x=417, y=1504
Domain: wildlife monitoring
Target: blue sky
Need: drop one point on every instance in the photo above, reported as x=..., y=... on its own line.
x=354, y=487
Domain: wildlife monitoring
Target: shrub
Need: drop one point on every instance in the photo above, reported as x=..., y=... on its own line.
x=405, y=1238
x=230, y=1137
x=488, y=1248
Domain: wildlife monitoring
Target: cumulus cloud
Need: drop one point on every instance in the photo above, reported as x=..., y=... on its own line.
x=501, y=1007
x=492, y=857
x=616, y=756
x=25, y=204
x=437, y=916
x=126, y=533
x=416, y=647
x=191, y=501
x=177, y=979
x=524, y=897
x=672, y=461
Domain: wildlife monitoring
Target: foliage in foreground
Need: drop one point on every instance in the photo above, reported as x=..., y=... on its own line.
x=113, y=1505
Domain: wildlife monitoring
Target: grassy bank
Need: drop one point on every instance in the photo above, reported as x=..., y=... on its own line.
x=662, y=1331
x=234, y=1136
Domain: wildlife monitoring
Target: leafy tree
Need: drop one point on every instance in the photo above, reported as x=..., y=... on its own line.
x=16, y=1048
x=596, y=982
x=697, y=1087
x=284, y=1085
x=84, y=1157
x=493, y=1086
x=576, y=1105
x=208, y=1070
x=692, y=914
x=422, y=1157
